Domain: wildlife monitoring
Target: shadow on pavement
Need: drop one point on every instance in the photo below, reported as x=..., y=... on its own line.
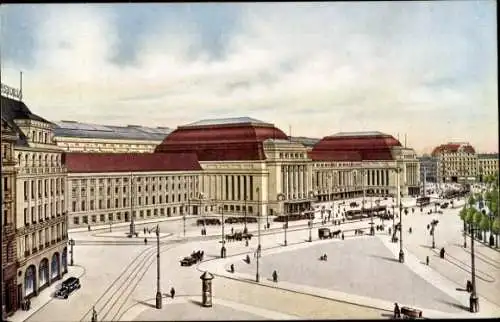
x=426, y=246
x=387, y=315
x=146, y=304
x=461, y=289
x=390, y=259
x=455, y=305
x=196, y=302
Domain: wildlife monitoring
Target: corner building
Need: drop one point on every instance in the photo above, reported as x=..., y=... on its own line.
x=41, y=231
x=9, y=249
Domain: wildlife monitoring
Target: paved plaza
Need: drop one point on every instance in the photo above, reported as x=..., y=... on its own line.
x=356, y=266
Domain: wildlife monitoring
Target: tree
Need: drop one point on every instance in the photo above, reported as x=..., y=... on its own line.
x=484, y=225
x=496, y=229
x=472, y=201
x=463, y=216
x=477, y=217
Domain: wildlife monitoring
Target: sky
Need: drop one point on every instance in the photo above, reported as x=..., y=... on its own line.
x=427, y=69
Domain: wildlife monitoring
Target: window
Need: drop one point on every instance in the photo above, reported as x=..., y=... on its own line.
x=119, y=216
x=91, y=204
x=94, y=218
x=102, y=218
x=26, y=218
x=85, y=219
x=116, y=203
x=110, y=216
x=32, y=189
x=25, y=190
x=83, y=206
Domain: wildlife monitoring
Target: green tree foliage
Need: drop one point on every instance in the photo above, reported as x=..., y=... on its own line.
x=484, y=224
x=472, y=201
x=463, y=214
x=469, y=215
x=496, y=226
x=478, y=216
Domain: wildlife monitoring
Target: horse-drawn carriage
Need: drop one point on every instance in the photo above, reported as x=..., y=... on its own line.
x=194, y=258
x=239, y=236
x=324, y=233
x=410, y=313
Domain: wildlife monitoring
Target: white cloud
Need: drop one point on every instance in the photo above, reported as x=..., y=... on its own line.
x=343, y=67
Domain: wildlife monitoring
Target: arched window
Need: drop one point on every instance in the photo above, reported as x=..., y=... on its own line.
x=54, y=267
x=29, y=280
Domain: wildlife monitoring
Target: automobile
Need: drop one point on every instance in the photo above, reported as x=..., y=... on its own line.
x=353, y=204
x=444, y=205
x=67, y=287
x=188, y=261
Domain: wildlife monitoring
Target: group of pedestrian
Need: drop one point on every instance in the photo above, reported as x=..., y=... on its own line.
x=203, y=231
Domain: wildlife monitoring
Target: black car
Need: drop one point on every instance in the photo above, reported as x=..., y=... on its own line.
x=67, y=287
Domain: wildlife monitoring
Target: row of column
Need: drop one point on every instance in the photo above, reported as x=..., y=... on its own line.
x=377, y=177
x=411, y=174
x=229, y=187
x=294, y=180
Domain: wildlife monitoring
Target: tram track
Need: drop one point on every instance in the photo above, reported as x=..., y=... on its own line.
x=485, y=277
x=120, y=287
x=485, y=258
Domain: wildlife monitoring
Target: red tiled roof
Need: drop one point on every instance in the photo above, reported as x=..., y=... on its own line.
x=134, y=162
x=377, y=146
x=221, y=142
x=453, y=147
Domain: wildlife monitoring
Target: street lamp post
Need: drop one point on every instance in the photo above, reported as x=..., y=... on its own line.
x=71, y=243
x=473, y=300
x=223, y=241
x=401, y=253
x=372, y=229
x=245, y=223
x=158, y=292
x=110, y=223
x=132, y=219
x=433, y=231
x=281, y=198
x=257, y=276
x=184, y=222
x=310, y=224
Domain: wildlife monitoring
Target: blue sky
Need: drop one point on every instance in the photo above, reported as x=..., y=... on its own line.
x=428, y=69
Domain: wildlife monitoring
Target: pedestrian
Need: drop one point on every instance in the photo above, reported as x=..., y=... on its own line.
x=246, y=242
x=172, y=292
x=144, y=230
x=94, y=314
x=427, y=260
x=342, y=236
x=275, y=276
x=88, y=227
x=145, y=241
x=397, y=312
x=232, y=268
x=248, y=259
x=232, y=230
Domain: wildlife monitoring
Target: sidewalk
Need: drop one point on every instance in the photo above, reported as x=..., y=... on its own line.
x=179, y=306
x=45, y=296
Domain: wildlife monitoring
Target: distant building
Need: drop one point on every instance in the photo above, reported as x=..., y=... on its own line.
x=457, y=162
x=74, y=136
x=429, y=166
x=488, y=165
